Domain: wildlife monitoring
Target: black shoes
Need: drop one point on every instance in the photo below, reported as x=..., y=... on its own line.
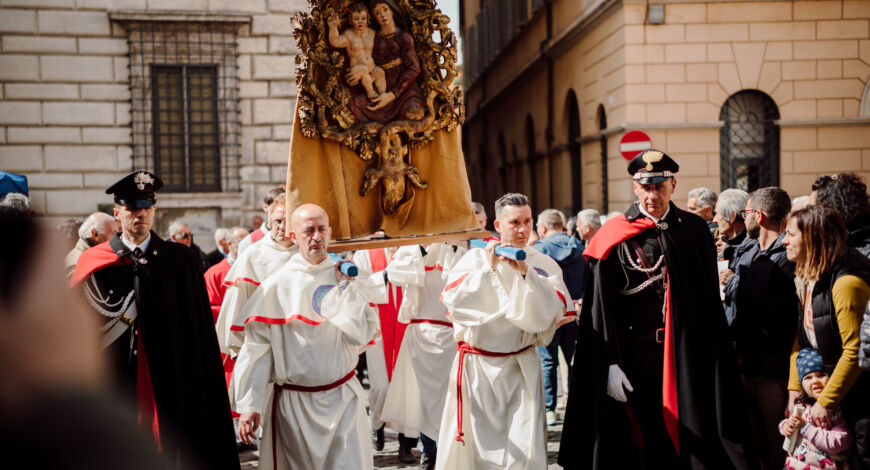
x=405, y=455
x=426, y=462
x=378, y=439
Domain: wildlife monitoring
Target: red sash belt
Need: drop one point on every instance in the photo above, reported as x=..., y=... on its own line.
x=297, y=388
x=464, y=348
x=433, y=322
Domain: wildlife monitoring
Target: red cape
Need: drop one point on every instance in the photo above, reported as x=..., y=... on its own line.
x=614, y=232
x=94, y=259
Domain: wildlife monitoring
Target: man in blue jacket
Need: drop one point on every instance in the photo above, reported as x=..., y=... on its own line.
x=568, y=252
x=760, y=292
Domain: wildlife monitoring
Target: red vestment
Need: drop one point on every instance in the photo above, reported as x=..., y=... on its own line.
x=214, y=285
x=392, y=331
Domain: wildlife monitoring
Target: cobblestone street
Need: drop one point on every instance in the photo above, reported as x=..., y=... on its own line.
x=387, y=459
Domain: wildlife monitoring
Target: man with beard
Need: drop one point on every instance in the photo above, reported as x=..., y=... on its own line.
x=304, y=329
x=764, y=299
x=655, y=383
x=157, y=331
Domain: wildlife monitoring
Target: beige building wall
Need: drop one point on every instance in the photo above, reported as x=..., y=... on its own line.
x=65, y=103
x=671, y=80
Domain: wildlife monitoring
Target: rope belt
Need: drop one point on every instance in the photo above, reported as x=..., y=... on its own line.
x=433, y=322
x=464, y=348
x=298, y=388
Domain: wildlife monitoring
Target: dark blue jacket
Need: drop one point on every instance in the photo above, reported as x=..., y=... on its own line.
x=762, y=300
x=568, y=252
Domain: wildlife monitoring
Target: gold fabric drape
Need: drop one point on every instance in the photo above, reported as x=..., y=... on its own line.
x=328, y=174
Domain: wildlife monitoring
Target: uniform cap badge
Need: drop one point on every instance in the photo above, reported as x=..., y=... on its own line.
x=652, y=156
x=141, y=179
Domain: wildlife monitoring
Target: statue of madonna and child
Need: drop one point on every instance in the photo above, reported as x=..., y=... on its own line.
x=385, y=62
x=375, y=95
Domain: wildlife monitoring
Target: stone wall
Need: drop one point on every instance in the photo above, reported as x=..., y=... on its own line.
x=65, y=103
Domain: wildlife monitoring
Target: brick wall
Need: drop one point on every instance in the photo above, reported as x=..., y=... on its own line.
x=65, y=102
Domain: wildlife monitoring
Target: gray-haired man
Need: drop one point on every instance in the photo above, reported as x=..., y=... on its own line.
x=96, y=229
x=702, y=201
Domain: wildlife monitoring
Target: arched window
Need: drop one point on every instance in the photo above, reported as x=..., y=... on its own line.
x=514, y=169
x=502, y=166
x=528, y=168
x=482, y=167
x=749, y=141
x=602, y=125
x=572, y=110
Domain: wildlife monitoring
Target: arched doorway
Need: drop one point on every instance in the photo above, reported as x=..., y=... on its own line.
x=602, y=125
x=749, y=141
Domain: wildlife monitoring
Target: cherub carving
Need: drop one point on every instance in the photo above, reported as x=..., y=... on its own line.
x=359, y=40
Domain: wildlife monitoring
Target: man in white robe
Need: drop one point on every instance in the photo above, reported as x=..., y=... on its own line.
x=304, y=329
x=415, y=397
x=382, y=356
x=500, y=309
x=262, y=232
x=250, y=269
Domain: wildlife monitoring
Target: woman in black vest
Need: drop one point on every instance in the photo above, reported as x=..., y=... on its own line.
x=833, y=283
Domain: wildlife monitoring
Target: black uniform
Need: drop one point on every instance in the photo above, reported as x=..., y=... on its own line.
x=174, y=327
x=165, y=359
x=625, y=328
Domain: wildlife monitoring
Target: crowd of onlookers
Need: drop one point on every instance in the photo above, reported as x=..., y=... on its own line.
x=794, y=277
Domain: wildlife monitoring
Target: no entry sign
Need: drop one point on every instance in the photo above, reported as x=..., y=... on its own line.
x=632, y=143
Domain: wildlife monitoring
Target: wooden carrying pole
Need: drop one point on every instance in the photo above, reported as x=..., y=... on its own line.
x=372, y=243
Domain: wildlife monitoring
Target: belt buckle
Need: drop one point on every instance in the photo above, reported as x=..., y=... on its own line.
x=660, y=335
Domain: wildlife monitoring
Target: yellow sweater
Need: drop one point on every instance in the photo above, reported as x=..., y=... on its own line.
x=850, y=295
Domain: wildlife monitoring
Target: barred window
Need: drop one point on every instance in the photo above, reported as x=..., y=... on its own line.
x=185, y=103
x=749, y=141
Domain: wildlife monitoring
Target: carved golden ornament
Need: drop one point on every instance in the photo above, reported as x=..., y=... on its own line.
x=650, y=157
x=324, y=94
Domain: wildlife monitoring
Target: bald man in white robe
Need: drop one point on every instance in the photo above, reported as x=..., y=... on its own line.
x=303, y=331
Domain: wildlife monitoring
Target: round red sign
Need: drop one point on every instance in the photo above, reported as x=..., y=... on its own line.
x=632, y=143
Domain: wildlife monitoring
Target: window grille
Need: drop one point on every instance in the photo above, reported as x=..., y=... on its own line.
x=185, y=101
x=749, y=141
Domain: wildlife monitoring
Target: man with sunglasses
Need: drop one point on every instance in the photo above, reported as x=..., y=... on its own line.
x=762, y=295
x=179, y=232
x=158, y=334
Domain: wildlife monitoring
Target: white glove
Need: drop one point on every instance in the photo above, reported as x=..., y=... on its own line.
x=617, y=383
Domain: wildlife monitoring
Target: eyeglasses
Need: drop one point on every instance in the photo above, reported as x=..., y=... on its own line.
x=183, y=235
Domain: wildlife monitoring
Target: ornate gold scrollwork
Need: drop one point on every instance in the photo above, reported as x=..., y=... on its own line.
x=324, y=101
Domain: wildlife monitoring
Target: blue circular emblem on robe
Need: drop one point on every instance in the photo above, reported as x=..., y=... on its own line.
x=541, y=272
x=319, y=294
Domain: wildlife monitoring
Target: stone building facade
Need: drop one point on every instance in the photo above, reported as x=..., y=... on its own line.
x=742, y=94
x=200, y=91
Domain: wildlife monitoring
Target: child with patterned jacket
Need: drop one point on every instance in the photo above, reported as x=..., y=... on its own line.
x=816, y=447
